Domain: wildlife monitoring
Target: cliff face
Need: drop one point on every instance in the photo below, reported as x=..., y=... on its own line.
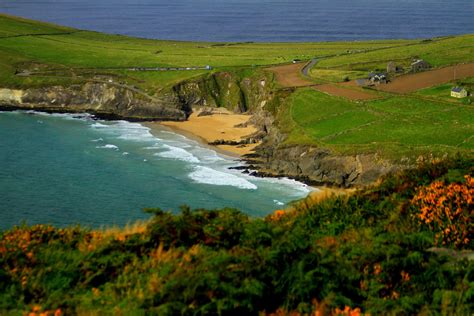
x=226, y=89
x=318, y=166
x=98, y=98
x=109, y=99
x=313, y=165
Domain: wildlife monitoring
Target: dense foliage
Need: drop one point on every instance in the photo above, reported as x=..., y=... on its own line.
x=370, y=252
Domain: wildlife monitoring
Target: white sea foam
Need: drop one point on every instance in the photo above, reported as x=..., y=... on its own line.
x=155, y=146
x=125, y=130
x=278, y=202
x=177, y=143
x=296, y=186
x=108, y=146
x=175, y=134
x=99, y=125
x=134, y=131
x=125, y=153
x=207, y=155
x=67, y=116
x=97, y=140
x=177, y=153
x=210, y=176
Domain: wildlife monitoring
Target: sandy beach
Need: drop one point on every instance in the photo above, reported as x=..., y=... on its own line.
x=220, y=125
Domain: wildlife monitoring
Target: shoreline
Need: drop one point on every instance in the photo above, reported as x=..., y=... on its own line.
x=315, y=192
x=202, y=142
x=220, y=125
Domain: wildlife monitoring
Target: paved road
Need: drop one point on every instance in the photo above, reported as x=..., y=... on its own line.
x=307, y=68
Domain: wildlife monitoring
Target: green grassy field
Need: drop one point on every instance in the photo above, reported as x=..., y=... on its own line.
x=443, y=92
x=424, y=122
x=335, y=75
x=394, y=127
x=24, y=44
x=438, y=52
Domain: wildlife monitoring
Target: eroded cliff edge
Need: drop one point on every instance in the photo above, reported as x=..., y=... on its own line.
x=253, y=94
x=103, y=99
x=314, y=165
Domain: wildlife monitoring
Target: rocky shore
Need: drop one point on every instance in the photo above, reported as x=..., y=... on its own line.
x=267, y=154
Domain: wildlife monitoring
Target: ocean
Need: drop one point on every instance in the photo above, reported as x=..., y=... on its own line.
x=67, y=169
x=256, y=20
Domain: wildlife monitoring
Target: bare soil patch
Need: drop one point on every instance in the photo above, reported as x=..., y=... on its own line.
x=413, y=82
x=352, y=93
x=290, y=75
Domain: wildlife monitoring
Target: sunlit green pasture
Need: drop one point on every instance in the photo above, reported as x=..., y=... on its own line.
x=393, y=127
x=438, y=52
x=23, y=42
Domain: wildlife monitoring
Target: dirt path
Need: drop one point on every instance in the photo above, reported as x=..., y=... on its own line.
x=413, y=82
x=290, y=75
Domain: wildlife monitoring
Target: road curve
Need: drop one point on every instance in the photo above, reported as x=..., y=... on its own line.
x=305, y=70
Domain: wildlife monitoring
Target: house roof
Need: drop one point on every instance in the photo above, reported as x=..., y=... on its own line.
x=419, y=61
x=377, y=74
x=457, y=89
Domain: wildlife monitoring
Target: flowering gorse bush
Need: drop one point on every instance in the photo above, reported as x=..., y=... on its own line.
x=448, y=210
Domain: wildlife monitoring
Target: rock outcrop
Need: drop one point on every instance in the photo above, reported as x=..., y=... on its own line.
x=312, y=165
x=113, y=100
x=225, y=89
x=102, y=99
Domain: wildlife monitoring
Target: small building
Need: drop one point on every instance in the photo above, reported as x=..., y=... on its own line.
x=419, y=65
x=392, y=67
x=458, y=92
x=378, y=77
x=295, y=61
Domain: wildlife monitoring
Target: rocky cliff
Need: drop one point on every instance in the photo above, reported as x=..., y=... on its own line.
x=319, y=166
x=109, y=99
x=102, y=99
x=312, y=165
x=251, y=93
x=226, y=89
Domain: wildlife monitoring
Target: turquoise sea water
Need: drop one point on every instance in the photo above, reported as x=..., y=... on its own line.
x=66, y=169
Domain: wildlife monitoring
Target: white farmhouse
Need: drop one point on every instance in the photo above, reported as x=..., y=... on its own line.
x=458, y=92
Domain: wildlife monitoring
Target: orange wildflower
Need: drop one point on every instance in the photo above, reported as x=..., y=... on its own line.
x=447, y=210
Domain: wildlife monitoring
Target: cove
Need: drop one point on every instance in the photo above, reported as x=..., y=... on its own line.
x=66, y=169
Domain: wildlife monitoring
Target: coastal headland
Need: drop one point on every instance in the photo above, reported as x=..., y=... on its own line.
x=360, y=117
x=289, y=109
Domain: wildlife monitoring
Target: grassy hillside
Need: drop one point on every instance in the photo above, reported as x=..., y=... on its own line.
x=438, y=52
x=393, y=127
x=392, y=249
x=26, y=44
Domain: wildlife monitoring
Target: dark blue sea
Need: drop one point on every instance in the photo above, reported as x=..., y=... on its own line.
x=256, y=20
